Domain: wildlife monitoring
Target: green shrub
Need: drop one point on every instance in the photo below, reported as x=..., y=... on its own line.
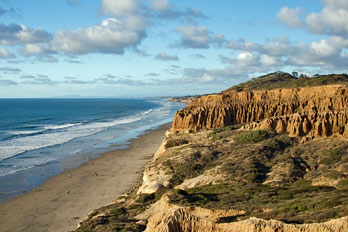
x=296, y=207
x=175, y=142
x=334, y=175
x=327, y=203
x=331, y=157
x=225, y=128
x=144, y=198
x=302, y=183
x=223, y=132
x=343, y=183
x=117, y=211
x=254, y=136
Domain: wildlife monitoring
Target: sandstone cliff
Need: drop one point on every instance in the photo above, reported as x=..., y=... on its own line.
x=310, y=111
x=245, y=178
x=165, y=217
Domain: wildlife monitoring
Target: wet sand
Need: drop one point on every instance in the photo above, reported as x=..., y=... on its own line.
x=64, y=200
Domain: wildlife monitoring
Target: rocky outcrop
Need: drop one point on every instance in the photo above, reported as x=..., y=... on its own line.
x=216, y=183
x=153, y=177
x=166, y=217
x=310, y=111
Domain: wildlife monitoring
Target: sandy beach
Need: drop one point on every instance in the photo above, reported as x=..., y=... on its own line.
x=63, y=200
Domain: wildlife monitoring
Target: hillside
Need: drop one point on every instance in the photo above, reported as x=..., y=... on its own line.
x=285, y=80
x=246, y=160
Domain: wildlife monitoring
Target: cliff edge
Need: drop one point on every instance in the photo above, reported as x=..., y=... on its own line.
x=309, y=112
x=247, y=159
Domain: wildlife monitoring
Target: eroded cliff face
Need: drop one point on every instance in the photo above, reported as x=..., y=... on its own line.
x=232, y=180
x=307, y=112
x=171, y=218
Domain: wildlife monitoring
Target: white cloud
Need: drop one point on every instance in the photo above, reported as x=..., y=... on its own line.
x=337, y=3
x=74, y=81
x=323, y=48
x=14, y=34
x=277, y=47
x=111, y=36
x=38, y=80
x=248, y=59
x=5, y=54
x=165, y=57
x=36, y=49
x=291, y=17
x=271, y=61
x=194, y=37
x=206, y=78
x=331, y=20
x=113, y=80
x=160, y=5
x=119, y=7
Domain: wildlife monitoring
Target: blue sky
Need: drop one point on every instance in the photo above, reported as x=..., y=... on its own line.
x=137, y=48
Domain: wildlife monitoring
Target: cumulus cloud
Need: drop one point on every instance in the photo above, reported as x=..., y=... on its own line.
x=234, y=69
x=331, y=20
x=5, y=54
x=174, y=14
x=164, y=10
x=291, y=17
x=36, y=49
x=278, y=53
x=165, y=57
x=248, y=59
x=14, y=34
x=194, y=37
x=271, y=61
x=277, y=47
x=160, y=5
x=111, y=36
x=119, y=7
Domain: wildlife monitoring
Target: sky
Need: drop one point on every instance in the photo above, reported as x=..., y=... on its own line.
x=144, y=48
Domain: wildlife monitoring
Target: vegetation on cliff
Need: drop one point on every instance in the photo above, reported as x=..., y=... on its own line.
x=235, y=171
x=266, y=175
x=279, y=80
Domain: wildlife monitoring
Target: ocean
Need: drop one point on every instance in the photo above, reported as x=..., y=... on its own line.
x=40, y=138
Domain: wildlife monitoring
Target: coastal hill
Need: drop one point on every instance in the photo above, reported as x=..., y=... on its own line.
x=267, y=155
x=311, y=111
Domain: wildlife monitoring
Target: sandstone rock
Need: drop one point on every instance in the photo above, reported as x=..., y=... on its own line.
x=307, y=112
x=153, y=178
x=165, y=217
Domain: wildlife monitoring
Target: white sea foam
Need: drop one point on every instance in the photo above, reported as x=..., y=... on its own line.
x=26, y=132
x=68, y=132
x=55, y=127
x=53, y=135
x=147, y=112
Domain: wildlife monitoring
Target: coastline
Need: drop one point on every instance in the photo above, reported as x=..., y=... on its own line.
x=65, y=199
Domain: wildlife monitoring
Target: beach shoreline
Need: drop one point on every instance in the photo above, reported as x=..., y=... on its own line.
x=65, y=199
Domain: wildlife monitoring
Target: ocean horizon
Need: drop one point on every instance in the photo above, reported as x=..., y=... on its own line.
x=40, y=138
